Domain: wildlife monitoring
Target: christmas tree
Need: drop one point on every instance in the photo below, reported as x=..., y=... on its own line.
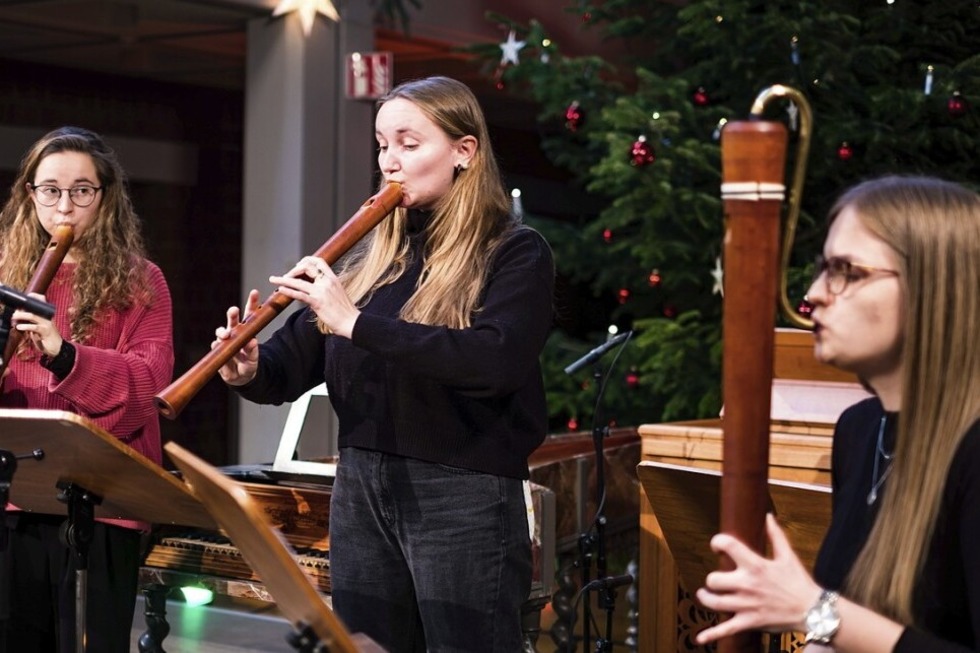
x=891, y=85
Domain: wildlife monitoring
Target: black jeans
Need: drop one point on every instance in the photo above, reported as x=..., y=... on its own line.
x=426, y=557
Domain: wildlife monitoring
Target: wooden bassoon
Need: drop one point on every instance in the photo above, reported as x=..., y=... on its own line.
x=753, y=168
x=47, y=267
x=172, y=399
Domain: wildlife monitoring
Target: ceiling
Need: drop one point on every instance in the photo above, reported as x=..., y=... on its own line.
x=199, y=42
x=203, y=43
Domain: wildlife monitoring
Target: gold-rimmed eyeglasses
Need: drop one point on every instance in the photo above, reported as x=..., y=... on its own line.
x=49, y=195
x=841, y=272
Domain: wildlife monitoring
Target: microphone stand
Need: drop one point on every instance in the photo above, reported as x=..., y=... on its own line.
x=11, y=300
x=6, y=318
x=8, y=466
x=589, y=541
x=304, y=639
x=599, y=538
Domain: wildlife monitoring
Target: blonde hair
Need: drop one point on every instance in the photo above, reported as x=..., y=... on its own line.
x=934, y=226
x=466, y=227
x=111, y=265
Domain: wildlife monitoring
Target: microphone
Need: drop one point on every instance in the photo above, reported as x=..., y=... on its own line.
x=610, y=582
x=597, y=353
x=15, y=299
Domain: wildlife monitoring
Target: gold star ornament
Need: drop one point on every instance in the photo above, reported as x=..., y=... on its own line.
x=308, y=9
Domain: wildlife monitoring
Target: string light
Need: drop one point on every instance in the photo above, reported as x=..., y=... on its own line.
x=518, y=206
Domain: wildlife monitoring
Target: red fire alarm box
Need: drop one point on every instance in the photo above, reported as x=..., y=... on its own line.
x=369, y=75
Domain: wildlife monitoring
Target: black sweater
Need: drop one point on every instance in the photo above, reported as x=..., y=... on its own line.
x=470, y=398
x=947, y=594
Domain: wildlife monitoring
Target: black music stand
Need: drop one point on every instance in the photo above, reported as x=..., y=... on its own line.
x=317, y=629
x=81, y=471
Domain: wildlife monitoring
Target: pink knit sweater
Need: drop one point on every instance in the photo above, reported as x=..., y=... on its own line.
x=127, y=359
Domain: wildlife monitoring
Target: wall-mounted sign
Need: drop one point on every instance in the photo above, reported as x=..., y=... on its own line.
x=369, y=75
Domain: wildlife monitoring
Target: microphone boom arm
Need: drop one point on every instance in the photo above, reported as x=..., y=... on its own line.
x=15, y=299
x=597, y=353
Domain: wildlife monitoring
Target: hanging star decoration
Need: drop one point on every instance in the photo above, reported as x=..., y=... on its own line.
x=308, y=9
x=510, y=48
x=719, y=276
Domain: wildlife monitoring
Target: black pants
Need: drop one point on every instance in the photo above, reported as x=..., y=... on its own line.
x=426, y=557
x=37, y=587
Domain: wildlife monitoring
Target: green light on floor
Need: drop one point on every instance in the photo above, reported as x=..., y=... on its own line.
x=197, y=595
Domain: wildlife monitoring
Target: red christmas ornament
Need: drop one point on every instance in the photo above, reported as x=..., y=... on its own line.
x=670, y=311
x=701, y=98
x=654, y=279
x=572, y=424
x=957, y=105
x=574, y=116
x=641, y=154
x=845, y=152
x=623, y=295
x=632, y=379
x=805, y=308
x=498, y=77
x=607, y=235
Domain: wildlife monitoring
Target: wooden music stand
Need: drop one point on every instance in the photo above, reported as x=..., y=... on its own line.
x=686, y=502
x=77, y=451
x=72, y=467
x=269, y=555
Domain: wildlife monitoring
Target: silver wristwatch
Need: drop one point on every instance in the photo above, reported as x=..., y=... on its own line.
x=822, y=620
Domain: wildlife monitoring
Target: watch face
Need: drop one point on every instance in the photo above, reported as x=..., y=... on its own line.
x=823, y=620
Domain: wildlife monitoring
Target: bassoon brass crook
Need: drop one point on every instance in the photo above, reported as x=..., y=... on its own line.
x=796, y=191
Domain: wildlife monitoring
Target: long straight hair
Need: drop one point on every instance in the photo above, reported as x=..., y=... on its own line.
x=934, y=226
x=111, y=269
x=465, y=229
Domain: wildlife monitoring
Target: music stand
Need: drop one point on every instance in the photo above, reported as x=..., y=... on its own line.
x=268, y=553
x=686, y=502
x=83, y=472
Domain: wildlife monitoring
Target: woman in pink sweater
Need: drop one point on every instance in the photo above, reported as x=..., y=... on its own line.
x=105, y=353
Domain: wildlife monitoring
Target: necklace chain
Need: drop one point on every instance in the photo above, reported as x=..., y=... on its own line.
x=877, y=482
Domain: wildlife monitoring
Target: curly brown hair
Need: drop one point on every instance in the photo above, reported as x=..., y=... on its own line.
x=112, y=263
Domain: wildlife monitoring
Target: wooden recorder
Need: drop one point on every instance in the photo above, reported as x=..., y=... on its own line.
x=172, y=400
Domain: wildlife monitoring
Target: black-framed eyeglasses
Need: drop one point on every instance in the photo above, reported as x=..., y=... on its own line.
x=49, y=195
x=841, y=272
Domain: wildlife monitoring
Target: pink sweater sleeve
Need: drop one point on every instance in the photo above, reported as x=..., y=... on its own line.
x=128, y=360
